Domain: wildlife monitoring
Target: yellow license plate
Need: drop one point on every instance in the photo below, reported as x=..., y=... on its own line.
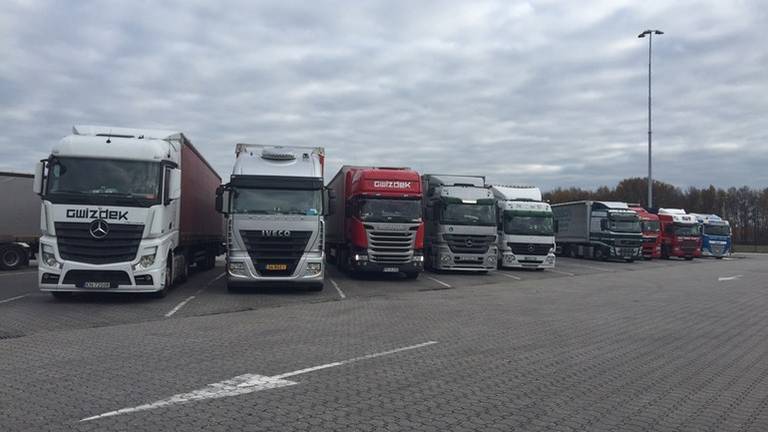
x=277, y=266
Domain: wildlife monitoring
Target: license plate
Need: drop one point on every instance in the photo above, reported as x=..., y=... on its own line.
x=277, y=267
x=97, y=285
x=391, y=270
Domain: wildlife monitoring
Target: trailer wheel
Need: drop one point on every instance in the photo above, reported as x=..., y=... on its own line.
x=12, y=257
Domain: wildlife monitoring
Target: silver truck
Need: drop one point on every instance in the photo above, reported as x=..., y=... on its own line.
x=598, y=229
x=274, y=205
x=460, y=223
x=526, y=233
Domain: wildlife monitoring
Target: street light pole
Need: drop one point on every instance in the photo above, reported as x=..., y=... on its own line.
x=650, y=34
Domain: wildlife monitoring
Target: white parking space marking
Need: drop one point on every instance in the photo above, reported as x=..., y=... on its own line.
x=511, y=276
x=729, y=278
x=439, y=281
x=561, y=272
x=335, y=285
x=17, y=273
x=248, y=383
x=8, y=300
x=190, y=298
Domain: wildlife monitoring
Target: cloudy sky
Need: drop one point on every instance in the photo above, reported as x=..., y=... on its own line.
x=546, y=93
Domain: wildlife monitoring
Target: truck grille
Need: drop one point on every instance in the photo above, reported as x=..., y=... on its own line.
x=717, y=249
x=391, y=247
x=530, y=248
x=472, y=244
x=628, y=243
x=77, y=244
x=688, y=246
x=275, y=256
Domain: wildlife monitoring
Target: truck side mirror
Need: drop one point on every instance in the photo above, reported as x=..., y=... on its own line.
x=174, y=184
x=37, y=183
x=222, y=200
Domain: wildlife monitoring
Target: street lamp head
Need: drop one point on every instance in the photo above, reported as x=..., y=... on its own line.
x=642, y=35
x=658, y=32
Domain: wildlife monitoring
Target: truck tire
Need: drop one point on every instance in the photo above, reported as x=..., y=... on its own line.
x=412, y=275
x=598, y=254
x=689, y=258
x=13, y=257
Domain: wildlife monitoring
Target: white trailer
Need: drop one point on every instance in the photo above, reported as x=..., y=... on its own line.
x=19, y=220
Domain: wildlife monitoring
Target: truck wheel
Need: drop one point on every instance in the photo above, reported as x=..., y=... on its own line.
x=12, y=257
x=61, y=295
x=689, y=258
x=168, y=279
x=184, y=271
x=412, y=275
x=598, y=254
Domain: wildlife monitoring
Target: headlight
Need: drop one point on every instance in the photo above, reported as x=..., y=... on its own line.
x=491, y=258
x=418, y=258
x=551, y=251
x=147, y=258
x=314, y=268
x=359, y=257
x=509, y=258
x=444, y=258
x=237, y=268
x=49, y=257
x=550, y=259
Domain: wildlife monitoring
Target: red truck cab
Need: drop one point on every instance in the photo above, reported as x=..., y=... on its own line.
x=680, y=234
x=376, y=224
x=651, y=227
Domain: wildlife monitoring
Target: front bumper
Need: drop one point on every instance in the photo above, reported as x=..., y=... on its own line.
x=624, y=252
x=123, y=277
x=242, y=272
x=379, y=267
x=510, y=260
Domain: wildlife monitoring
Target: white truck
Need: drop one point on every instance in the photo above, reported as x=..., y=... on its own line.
x=460, y=223
x=125, y=210
x=274, y=204
x=526, y=236
x=19, y=220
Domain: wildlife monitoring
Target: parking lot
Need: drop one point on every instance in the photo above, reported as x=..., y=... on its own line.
x=661, y=345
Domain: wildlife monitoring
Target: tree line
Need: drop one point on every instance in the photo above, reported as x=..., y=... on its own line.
x=745, y=208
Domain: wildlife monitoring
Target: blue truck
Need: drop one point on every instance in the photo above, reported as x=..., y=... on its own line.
x=715, y=235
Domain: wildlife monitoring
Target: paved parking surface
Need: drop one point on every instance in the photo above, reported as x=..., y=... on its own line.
x=662, y=345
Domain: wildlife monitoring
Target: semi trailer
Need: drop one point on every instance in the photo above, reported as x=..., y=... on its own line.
x=598, y=229
x=680, y=233
x=460, y=223
x=715, y=235
x=376, y=225
x=526, y=237
x=274, y=205
x=649, y=223
x=125, y=210
x=19, y=220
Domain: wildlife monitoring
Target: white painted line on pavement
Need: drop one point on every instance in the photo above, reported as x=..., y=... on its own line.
x=18, y=273
x=190, y=298
x=729, y=278
x=562, y=272
x=335, y=285
x=179, y=306
x=8, y=300
x=439, y=281
x=244, y=384
x=510, y=276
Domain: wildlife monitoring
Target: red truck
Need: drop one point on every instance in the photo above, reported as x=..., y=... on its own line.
x=651, y=227
x=376, y=224
x=680, y=234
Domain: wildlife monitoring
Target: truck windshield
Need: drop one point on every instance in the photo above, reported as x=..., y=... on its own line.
x=468, y=214
x=686, y=230
x=624, y=224
x=718, y=230
x=650, y=226
x=528, y=223
x=103, y=181
x=389, y=210
x=276, y=201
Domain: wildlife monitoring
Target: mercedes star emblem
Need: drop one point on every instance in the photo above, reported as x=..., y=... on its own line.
x=99, y=229
x=531, y=248
x=468, y=242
